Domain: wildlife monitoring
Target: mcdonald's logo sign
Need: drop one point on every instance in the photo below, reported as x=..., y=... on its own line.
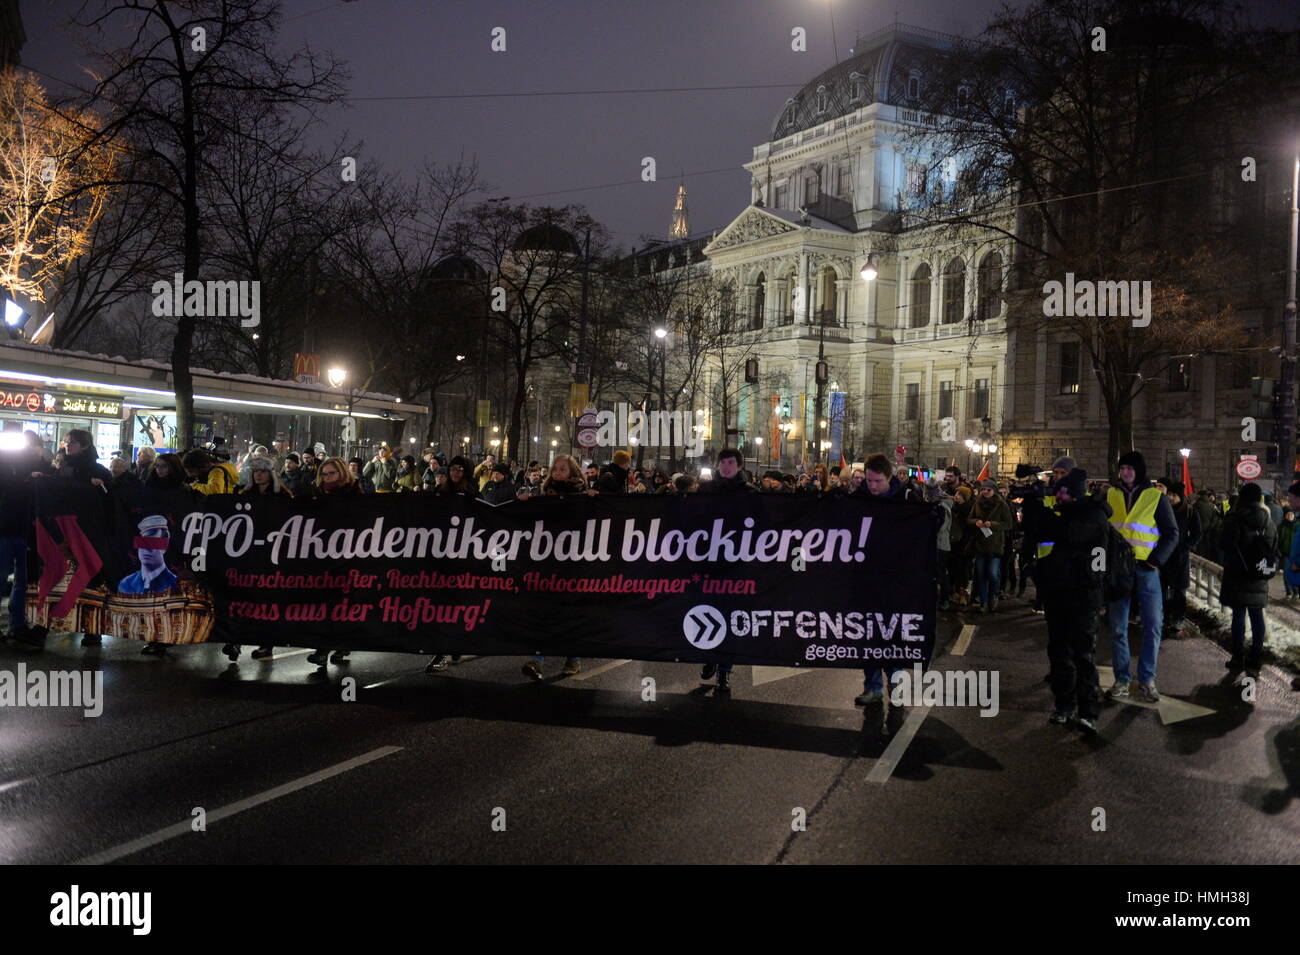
x=306, y=368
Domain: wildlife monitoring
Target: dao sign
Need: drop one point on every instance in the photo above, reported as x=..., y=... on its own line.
x=1248, y=468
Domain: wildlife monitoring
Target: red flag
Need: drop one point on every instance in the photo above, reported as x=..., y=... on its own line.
x=984, y=473
x=1188, y=490
x=54, y=564
x=88, y=563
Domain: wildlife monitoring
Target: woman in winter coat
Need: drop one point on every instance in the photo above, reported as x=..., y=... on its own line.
x=1242, y=590
x=263, y=484
x=988, y=512
x=408, y=476
x=565, y=480
x=334, y=481
x=460, y=479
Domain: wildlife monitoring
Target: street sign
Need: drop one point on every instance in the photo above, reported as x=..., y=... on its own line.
x=1248, y=468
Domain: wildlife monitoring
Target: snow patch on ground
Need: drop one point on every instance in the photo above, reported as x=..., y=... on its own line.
x=1282, y=626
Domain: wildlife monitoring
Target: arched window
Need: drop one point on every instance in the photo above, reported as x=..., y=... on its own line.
x=827, y=298
x=914, y=85
x=990, y=287
x=858, y=86
x=920, y=296
x=963, y=96
x=954, y=291
x=822, y=102
x=791, y=296
x=760, y=303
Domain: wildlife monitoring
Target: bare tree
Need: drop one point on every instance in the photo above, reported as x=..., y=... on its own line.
x=532, y=255
x=174, y=93
x=1090, y=162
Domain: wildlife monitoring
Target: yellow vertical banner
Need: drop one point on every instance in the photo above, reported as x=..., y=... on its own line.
x=483, y=417
x=579, y=394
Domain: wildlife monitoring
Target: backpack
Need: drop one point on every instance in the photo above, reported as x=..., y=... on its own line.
x=1258, y=560
x=1121, y=565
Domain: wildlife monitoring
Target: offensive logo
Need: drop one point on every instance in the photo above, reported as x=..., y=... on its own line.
x=704, y=627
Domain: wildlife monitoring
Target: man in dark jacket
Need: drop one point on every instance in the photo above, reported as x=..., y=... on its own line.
x=882, y=485
x=17, y=463
x=1143, y=516
x=500, y=489
x=1070, y=588
x=1176, y=573
x=293, y=477
x=730, y=480
x=1243, y=590
x=613, y=479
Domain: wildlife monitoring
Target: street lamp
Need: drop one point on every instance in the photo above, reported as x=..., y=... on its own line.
x=337, y=376
x=1185, y=452
x=869, y=271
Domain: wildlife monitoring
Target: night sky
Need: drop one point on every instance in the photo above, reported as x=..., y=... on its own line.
x=552, y=149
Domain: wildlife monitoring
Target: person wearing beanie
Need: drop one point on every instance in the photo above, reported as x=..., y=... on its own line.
x=1143, y=516
x=408, y=475
x=382, y=470
x=1246, y=533
x=613, y=477
x=1071, y=591
x=500, y=489
x=1176, y=574
x=459, y=479
x=1062, y=466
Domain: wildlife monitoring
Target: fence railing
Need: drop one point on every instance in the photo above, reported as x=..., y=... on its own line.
x=1205, y=581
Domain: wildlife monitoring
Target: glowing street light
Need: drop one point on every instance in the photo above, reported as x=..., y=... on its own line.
x=661, y=333
x=869, y=271
x=337, y=376
x=1185, y=452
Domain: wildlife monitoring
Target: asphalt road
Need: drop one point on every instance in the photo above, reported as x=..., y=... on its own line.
x=479, y=764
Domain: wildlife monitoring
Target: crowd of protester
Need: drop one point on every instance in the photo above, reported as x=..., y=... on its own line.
x=994, y=538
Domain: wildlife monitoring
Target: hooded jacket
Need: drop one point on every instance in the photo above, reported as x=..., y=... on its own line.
x=1240, y=524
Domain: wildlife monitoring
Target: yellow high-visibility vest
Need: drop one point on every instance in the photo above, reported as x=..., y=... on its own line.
x=1137, y=526
x=1045, y=547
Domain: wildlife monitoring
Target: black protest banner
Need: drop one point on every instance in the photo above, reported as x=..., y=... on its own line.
x=743, y=579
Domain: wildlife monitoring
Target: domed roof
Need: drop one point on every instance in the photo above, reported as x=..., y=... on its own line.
x=877, y=73
x=457, y=268
x=545, y=237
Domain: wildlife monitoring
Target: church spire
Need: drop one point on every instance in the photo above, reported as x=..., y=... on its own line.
x=681, y=229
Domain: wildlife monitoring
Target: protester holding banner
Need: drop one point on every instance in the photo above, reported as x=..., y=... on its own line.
x=334, y=482
x=613, y=479
x=565, y=478
x=500, y=489
x=355, y=466
x=730, y=480
x=16, y=468
x=880, y=484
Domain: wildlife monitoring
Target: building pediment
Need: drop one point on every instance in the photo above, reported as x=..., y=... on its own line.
x=751, y=225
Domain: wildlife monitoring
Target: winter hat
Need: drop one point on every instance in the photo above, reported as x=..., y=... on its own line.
x=1176, y=487
x=989, y=482
x=1066, y=463
x=621, y=458
x=1138, y=463
x=356, y=461
x=1075, y=483
x=1250, y=493
x=409, y=459
x=260, y=462
x=293, y=456
x=501, y=469
x=463, y=462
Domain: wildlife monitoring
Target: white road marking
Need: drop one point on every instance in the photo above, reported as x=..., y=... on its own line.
x=597, y=671
x=963, y=640
x=225, y=812
x=762, y=675
x=888, y=761
x=288, y=653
